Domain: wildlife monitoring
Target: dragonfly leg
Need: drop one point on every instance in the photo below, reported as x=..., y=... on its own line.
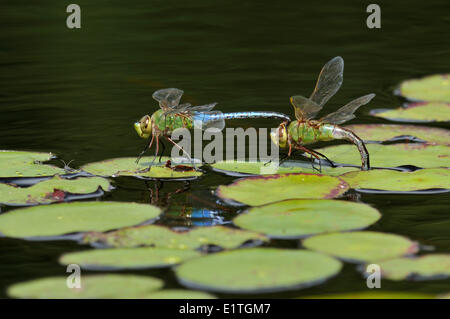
x=184, y=152
x=145, y=149
x=307, y=150
x=162, y=152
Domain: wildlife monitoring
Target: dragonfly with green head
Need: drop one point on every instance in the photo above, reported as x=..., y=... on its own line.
x=172, y=115
x=305, y=130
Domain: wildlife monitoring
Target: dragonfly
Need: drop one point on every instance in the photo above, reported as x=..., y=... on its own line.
x=306, y=130
x=172, y=115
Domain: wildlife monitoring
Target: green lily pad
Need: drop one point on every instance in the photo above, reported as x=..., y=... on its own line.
x=362, y=246
x=127, y=258
x=416, y=112
x=26, y=164
x=436, y=266
x=395, y=181
x=257, y=270
x=430, y=88
x=52, y=190
x=299, y=218
x=178, y=294
x=259, y=168
x=419, y=155
x=65, y=218
x=92, y=286
x=127, y=166
x=159, y=236
x=444, y=296
x=261, y=190
x=372, y=295
x=386, y=132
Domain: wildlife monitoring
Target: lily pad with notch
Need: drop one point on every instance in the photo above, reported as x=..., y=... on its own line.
x=420, y=112
x=299, y=218
x=56, y=189
x=362, y=246
x=429, y=180
x=127, y=258
x=434, y=87
x=92, y=286
x=53, y=221
x=260, y=190
x=126, y=166
x=257, y=270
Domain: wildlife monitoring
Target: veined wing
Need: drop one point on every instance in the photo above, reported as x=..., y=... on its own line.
x=305, y=108
x=330, y=80
x=168, y=98
x=203, y=108
x=345, y=113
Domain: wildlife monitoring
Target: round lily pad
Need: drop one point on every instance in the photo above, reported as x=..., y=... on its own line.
x=388, y=156
x=127, y=166
x=178, y=294
x=416, y=112
x=430, y=88
x=127, y=258
x=26, y=164
x=435, y=266
x=395, y=181
x=234, y=168
x=362, y=246
x=373, y=295
x=160, y=236
x=56, y=189
x=65, y=218
x=299, y=218
x=92, y=286
x=257, y=270
x=387, y=132
x=260, y=190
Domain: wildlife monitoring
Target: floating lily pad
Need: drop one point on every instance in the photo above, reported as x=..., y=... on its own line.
x=373, y=295
x=260, y=168
x=436, y=266
x=362, y=246
x=261, y=190
x=257, y=270
x=298, y=218
x=159, y=236
x=178, y=294
x=127, y=258
x=26, y=164
x=416, y=112
x=92, y=286
x=419, y=155
x=56, y=189
x=387, y=132
x=60, y=219
x=430, y=88
x=127, y=166
x=395, y=181
x=444, y=296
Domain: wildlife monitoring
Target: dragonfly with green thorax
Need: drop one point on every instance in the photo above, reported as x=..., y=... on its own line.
x=172, y=115
x=305, y=130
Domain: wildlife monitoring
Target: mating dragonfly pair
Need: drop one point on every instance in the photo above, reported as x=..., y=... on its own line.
x=293, y=135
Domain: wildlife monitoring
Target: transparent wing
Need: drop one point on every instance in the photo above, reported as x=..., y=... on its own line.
x=203, y=108
x=329, y=81
x=345, y=113
x=168, y=98
x=206, y=120
x=305, y=108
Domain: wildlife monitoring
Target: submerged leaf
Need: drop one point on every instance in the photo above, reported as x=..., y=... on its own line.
x=52, y=190
x=92, y=286
x=395, y=181
x=257, y=270
x=430, y=88
x=60, y=219
x=416, y=112
x=127, y=166
x=261, y=190
x=299, y=218
x=127, y=258
x=362, y=246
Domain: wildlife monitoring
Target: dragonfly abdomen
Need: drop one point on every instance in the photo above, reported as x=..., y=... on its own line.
x=255, y=114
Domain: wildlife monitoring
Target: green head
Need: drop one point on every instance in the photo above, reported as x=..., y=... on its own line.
x=144, y=127
x=279, y=136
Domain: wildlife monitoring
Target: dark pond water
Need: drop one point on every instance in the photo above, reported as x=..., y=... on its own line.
x=77, y=93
